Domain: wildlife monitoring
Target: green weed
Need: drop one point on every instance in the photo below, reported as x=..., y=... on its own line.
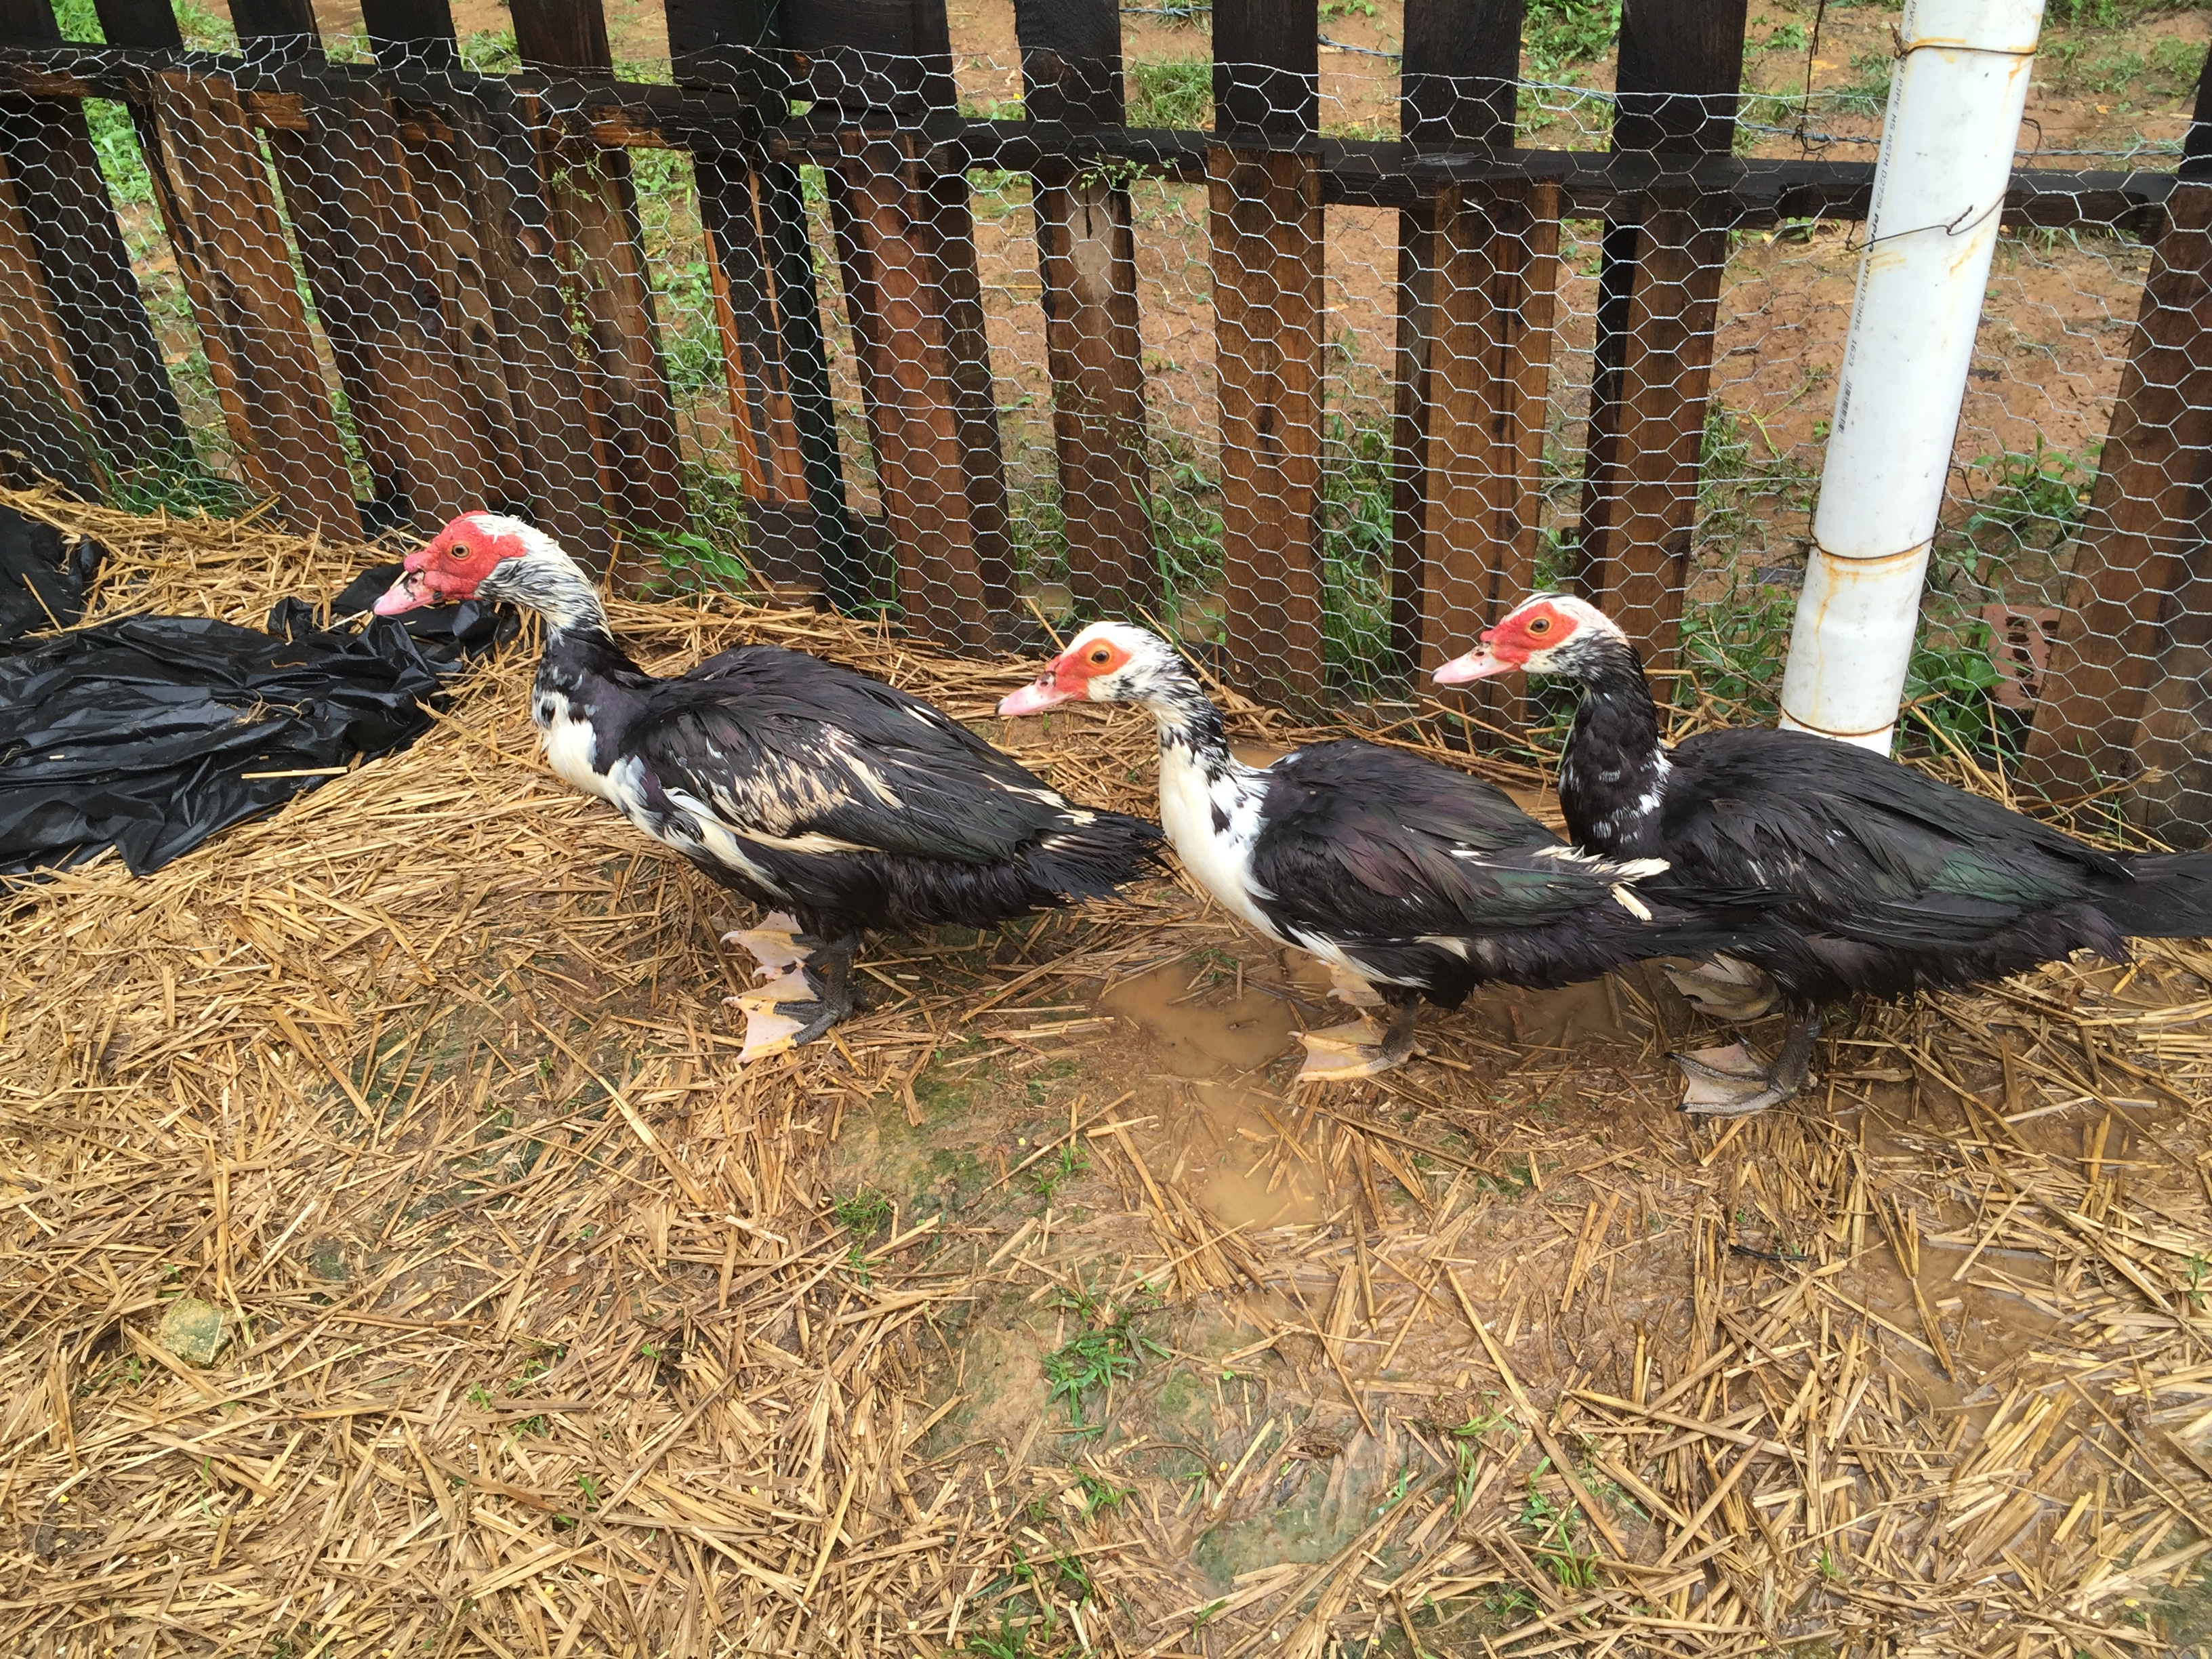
x=1108, y=1347
x=1511, y=1604
x=180, y=483
x=1010, y=1643
x=1057, y=1171
x=2027, y=500
x=1517, y=1182
x=1099, y=1493
x=1187, y=528
x=1355, y=513
x=1866, y=93
x=1734, y=648
x=1571, y=1567
x=864, y=1210
x=1467, y=1454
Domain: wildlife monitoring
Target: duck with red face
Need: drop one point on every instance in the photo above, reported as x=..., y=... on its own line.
x=1867, y=876
x=832, y=800
x=1410, y=880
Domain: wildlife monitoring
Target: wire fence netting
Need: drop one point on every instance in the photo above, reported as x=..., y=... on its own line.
x=1317, y=412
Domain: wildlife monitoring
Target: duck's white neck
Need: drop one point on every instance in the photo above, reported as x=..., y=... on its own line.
x=547, y=581
x=1210, y=800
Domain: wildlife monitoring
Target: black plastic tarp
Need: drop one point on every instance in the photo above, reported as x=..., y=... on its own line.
x=43, y=575
x=151, y=734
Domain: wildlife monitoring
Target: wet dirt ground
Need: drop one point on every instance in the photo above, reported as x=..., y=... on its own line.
x=1530, y=1169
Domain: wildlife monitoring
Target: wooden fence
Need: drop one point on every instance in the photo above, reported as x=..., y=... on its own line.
x=469, y=248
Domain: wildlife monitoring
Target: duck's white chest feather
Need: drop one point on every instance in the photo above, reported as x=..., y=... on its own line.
x=1221, y=858
x=571, y=749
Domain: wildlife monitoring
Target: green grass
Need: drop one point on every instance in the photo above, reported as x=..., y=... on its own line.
x=1100, y=1494
x=1011, y=1642
x=1573, y=1567
x=1355, y=512
x=1175, y=94
x=2168, y=70
x=1558, y=34
x=1866, y=93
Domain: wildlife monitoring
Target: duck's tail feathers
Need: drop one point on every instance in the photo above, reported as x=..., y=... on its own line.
x=2170, y=897
x=1092, y=854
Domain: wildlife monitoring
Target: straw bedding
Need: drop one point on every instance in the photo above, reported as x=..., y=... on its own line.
x=527, y=1323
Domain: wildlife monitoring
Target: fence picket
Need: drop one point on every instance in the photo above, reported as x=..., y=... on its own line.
x=237, y=265
x=907, y=241
x=110, y=372
x=472, y=158
x=1071, y=75
x=2142, y=544
x=1266, y=229
x=593, y=214
x=1680, y=63
x=1477, y=273
x=1496, y=258
x=43, y=415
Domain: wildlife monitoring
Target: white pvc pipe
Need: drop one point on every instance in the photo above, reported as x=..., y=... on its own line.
x=1955, y=100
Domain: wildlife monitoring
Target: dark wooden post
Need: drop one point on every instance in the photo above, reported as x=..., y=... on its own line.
x=472, y=164
x=1682, y=62
x=78, y=277
x=212, y=182
x=1266, y=234
x=760, y=245
x=1478, y=278
x=2143, y=543
x=391, y=332
x=1072, y=76
x=913, y=293
x=601, y=253
x=43, y=418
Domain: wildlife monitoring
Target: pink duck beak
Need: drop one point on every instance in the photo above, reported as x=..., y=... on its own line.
x=1039, y=694
x=403, y=595
x=1477, y=664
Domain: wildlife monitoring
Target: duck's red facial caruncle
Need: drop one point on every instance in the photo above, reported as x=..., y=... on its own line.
x=1524, y=640
x=1074, y=676
x=451, y=566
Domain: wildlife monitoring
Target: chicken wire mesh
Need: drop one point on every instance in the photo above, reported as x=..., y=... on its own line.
x=1317, y=410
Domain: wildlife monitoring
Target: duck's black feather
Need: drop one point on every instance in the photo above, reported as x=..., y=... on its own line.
x=801, y=783
x=1885, y=879
x=1437, y=879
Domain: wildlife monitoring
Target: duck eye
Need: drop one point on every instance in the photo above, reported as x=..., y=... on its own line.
x=1100, y=656
x=1541, y=625
x=459, y=553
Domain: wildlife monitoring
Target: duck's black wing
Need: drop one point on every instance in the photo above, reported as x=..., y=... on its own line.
x=1360, y=842
x=1857, y=846
x=781, y=751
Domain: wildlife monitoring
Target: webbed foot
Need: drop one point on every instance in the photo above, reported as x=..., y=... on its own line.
x=1731, y=1082
x=1724, y=987
x=1359, y=1048
x=808, y=990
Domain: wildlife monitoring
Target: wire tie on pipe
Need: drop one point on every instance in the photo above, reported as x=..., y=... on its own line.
x=1967, y=221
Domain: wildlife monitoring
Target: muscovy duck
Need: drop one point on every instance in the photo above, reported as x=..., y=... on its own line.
x=1408, y=879
x=837, y=801
x=1882, y=880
